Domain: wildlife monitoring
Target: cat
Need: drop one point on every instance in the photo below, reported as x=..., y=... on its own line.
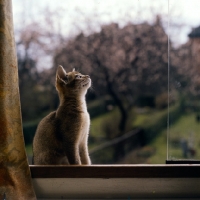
x=62, y=136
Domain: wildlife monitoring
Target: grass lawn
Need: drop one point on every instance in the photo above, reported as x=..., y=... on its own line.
x=186, y=128
x=140, y=118
x=160, y=145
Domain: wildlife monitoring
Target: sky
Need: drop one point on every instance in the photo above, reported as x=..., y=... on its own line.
x=103, y=11
x=71, y=16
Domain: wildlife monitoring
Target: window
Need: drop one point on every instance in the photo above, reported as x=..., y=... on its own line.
x=132, y=47
x=184, y=177
x=184, y=83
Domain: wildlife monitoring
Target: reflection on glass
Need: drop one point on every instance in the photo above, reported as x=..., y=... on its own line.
x=184, y=96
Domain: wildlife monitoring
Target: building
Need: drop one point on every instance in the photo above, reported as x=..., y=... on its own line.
x=195, y=44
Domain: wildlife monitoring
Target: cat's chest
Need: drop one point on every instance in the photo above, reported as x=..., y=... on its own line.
x=85, y=122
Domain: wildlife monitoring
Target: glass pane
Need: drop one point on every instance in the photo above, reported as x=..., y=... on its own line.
x=123, y=46
x=184, y=82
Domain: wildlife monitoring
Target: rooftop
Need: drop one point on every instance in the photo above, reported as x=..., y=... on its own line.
x=195, y=32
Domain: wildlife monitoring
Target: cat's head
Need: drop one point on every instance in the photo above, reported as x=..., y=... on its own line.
x=71, y=83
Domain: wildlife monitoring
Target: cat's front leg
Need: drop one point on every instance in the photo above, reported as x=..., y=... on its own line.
x=84, y=155
x=72, y=153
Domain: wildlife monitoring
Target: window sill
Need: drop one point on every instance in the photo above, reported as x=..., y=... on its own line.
x=117, y=181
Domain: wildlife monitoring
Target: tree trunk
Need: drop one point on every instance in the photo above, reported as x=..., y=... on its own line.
x=119, y=151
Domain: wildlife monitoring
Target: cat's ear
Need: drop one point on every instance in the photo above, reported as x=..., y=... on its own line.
x=61, y=74
x=73, y=70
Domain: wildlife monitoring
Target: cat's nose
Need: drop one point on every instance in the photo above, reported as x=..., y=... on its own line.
x=87, y=76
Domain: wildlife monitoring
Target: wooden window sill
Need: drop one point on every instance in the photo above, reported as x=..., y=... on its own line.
x=117, y=181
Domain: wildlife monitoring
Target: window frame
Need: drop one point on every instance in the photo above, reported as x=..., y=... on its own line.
x=116, y=171
x=117, y=181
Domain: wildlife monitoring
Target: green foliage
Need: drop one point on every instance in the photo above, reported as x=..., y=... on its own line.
x=160, y=144
x=181, y=129
x=187, y=128
x=162, y=101
x=29, y=150
x=105, y=127
x=29, y=130
x=146, y=100
x=154, y=125
x=155, y=129
x=96, y=109
x=104, y=156
x=100, y=106
x=150, y=120
x=97, y=129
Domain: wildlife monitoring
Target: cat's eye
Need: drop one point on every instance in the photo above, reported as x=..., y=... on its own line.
x=78, y=76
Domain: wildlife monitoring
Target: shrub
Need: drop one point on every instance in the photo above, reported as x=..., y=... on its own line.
x=100, y=106
x=162, y=101
x=29, y=130
x=159, y=122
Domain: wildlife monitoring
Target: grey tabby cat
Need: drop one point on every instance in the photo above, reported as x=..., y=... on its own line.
x=62, y=136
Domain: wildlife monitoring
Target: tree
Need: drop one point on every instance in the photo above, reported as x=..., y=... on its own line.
x=30, y=46
x=35, y=45
x=126, y=63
